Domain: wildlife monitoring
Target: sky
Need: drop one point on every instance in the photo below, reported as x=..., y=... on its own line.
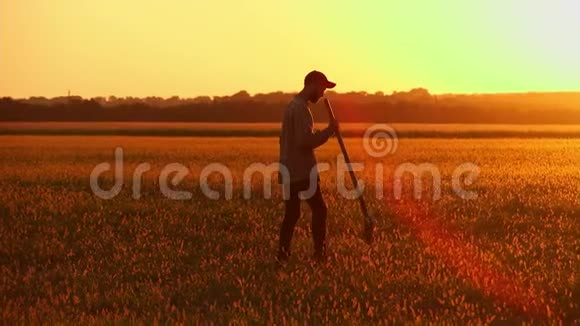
x=189, y=48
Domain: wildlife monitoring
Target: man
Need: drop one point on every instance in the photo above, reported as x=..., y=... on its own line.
x=297, y=143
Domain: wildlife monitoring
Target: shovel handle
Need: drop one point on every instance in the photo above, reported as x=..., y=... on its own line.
x=353, y=178
x=329, y=109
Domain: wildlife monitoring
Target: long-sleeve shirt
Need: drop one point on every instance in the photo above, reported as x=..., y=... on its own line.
x=298, y=139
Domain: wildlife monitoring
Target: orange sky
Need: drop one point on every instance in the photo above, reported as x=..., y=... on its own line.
x=189, y=48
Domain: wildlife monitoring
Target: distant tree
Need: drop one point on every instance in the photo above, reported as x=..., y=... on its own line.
x=38, y=100
x=172, y=101
x=240, y=96
x=419, y=93
x=202, y=100
x=99, y=99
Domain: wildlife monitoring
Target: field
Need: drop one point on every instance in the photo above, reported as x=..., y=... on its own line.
x=267, y=129
x=512, y=254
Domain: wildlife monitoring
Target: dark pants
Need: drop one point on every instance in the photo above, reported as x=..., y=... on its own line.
x=292, y=214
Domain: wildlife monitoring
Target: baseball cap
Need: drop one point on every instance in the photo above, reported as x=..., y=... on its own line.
x=317, y=76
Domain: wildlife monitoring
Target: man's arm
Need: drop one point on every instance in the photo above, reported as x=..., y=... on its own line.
x=306, y=136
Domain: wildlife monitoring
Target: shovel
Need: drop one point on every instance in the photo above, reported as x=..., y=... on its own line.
x=369, y=221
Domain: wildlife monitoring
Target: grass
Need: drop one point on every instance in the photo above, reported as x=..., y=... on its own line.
x=68, y=256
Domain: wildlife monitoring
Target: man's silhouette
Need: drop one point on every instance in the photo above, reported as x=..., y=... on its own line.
x=297, y=143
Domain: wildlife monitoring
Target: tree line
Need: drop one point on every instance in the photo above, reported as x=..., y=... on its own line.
x=414, y=106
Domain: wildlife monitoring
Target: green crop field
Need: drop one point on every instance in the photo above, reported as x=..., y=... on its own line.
x=66, y=255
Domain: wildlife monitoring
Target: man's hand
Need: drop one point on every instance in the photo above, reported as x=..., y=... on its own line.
x=333, y=125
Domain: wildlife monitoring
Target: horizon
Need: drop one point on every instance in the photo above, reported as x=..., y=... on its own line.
x=291, y=93
x=187, y=48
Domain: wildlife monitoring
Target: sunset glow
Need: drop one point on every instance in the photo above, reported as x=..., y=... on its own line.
x=191, y=48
